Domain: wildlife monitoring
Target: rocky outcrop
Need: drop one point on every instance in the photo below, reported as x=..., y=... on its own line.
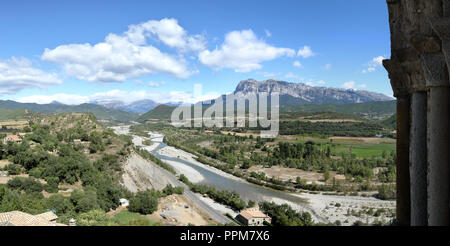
x=307, y=94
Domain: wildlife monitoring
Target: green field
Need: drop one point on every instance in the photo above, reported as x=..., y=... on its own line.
x=127, y=218
x=363, y=150
x=339, y=147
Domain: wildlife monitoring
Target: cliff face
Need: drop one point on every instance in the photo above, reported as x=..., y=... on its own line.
x=307, y=94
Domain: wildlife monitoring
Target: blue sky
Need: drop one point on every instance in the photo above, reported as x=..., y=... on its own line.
x=77, y=51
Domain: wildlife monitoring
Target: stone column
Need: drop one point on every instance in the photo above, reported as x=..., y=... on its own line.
x=418, y=158
x=403, y=176
x=400, y=86
x=436, y=76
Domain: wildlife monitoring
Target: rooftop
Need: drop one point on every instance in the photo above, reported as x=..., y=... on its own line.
x=18, y=218
x=253, y=213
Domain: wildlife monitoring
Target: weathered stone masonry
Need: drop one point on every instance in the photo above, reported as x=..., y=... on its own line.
x=419, y=74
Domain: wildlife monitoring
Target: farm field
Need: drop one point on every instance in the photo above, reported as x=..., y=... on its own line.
x=359, y=146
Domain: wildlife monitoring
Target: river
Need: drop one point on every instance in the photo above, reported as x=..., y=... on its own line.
x=219, y=179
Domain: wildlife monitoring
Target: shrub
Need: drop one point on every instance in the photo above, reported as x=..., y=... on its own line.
x=144, y=202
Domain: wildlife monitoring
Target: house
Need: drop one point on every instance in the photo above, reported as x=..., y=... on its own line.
x=252, y=217
x=12, y=138
x=124, y=202
x=48, y=216
x=72, y=222
x=18, y=218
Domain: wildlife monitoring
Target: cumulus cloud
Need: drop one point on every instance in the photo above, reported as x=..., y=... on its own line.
x=243, y=52
x=69, y=99
x=167, y=31
x=268, y=33
x=305, y=52
x=297, y=64
x=352, y=85
x=17, y=74
x=128, y=55
x=374, y=64
x=119, y=95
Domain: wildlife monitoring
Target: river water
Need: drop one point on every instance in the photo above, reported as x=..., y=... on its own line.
x=222, y=181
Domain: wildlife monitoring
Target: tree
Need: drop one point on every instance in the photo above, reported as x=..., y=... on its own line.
x=326, y=175
x=60, y=204
x=144, y=202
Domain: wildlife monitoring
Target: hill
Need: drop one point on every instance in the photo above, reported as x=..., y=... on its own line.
x=365, y=110
x=390, y=122
x=161, y=112
x=102, y=113
x=369, y=110
x=13, y=114
x=140, y=106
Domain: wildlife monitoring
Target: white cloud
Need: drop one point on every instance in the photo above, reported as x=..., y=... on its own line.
x=17, y=74
x=315, y=83
x=243, y=52
x=60, y=97
x=327, y=66
x=125, y=56
x=267, y=74
x=348, y=85
x=156, y=84
x=305, y=52
x=169, y=32
x=352, y=85
x=297, y=64
x=125, y=96
x=374, y=64
x=268, y=34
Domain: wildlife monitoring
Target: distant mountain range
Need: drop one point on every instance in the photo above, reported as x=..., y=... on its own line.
x=102, y=113
x=140, y=107
x=299, y=93
x=370, y=110
x=293, y=97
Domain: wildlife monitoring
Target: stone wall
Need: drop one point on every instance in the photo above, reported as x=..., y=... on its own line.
x=419, y=74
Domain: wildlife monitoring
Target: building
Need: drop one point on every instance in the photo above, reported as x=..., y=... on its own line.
x=124, y=202
x=253, y=217
x=12, y=138
x=18, y=218
x=72, y=222
x=419, y=69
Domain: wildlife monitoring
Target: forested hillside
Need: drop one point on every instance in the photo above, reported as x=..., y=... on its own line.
x=68, y=153
x=100, y=112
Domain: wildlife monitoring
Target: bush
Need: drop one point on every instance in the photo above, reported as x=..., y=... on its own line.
x=28, y=185
x=144, y=202
x=386, y=192
x=95, y=218
x=169, y=190
x=52, y=184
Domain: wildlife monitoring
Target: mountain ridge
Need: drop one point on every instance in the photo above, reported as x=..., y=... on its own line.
x=306, y=94
x=102, y=113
